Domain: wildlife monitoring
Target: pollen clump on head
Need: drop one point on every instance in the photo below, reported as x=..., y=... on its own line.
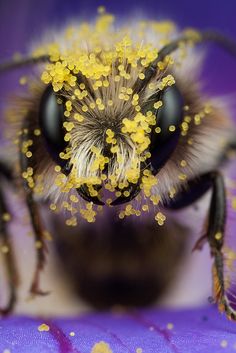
x=95, y=61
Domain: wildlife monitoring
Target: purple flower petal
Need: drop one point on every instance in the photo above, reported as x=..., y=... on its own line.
x=201, y=330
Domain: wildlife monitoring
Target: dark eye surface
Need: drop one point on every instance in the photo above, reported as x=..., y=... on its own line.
x=168, y=120
x=51, y=118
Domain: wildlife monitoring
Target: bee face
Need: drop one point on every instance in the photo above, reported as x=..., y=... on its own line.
x=143, y=142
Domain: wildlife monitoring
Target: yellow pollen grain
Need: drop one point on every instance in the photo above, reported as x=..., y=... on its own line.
x=72, y=334
x=98, y=101
x=187, y=119
x=5, y=249
x=37, y=132
x=57, y=168
x=117, y=78
x=170, y=326
x=121, y=215
x=190, y=141
x=99, y=83
x=101, y=347
x=79, y=117
x=172, y=193
x=67, y=137
x=47, y=235
x=68, y=126
x=38, y=244
x=108, y=201
x=85, y=108
x=183, y=163
x=158, y=130
x=101, y=107
x=126, y=193
x=151, y=86
x=121, y=96
x=23, y=80
x=224, y=343
x=158, y=104
x=74, y=198
x=110, y=133
x=43, y=327
x=92, y=105
x=160, y=218
x=6, y=217
x=218, y=236
x=233, y=203
x=106, y=83
x=67, y=114
x=141, y=76
x=172, y=128
x=53, y=207
x=115, y=149
x=139, y=350
x=182, y=176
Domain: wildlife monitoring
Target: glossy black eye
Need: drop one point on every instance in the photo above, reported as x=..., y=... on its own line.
x=51, y=118
x=165, y=134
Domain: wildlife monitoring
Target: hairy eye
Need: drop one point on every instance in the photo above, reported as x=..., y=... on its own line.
x=165, y=134
x=51, y=118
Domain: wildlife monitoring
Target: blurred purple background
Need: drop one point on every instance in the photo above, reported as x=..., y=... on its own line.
x=22, y=22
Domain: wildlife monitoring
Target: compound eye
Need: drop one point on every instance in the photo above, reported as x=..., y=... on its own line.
x=165, y=134
x=51, y=118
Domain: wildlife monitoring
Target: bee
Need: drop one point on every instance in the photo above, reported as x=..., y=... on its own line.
x=112, y=132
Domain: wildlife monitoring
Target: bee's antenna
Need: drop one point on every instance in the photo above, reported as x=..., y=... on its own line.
x=192, y=37
x=17, y=63
x=226, y=43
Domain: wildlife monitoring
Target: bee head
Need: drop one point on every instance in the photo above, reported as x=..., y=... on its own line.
x=111, y=112
x=117, y=139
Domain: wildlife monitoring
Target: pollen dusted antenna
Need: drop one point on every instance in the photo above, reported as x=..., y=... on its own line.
x=18, y=63
x=195, y=37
